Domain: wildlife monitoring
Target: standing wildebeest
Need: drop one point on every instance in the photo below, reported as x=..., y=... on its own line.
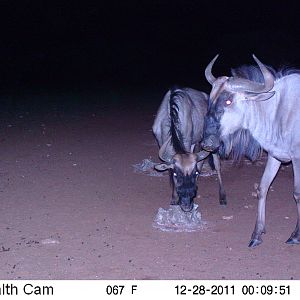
x=257, y=109
x=178, y=128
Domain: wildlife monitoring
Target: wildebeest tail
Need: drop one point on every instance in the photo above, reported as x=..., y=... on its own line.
x=176, y=97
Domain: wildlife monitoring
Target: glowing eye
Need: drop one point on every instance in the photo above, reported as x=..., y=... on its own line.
x=197, y=173
x=228, y=102
x=175, y=174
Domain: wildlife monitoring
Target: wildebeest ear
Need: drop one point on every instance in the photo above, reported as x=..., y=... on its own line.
x=259, y=97
x=163, y=167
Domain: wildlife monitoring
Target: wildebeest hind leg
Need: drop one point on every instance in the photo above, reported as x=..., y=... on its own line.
x=295, y=236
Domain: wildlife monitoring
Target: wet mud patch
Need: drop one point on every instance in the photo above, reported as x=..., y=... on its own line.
x=174, y=219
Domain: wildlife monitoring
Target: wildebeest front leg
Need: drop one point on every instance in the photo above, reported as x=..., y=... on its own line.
x=222, y=194
x=295, y=236
x=269, y=174
x=174, y=198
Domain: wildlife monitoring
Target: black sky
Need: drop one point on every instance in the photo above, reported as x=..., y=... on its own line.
x=140, y=43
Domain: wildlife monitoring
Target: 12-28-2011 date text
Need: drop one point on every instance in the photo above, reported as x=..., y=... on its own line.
x=233, y=290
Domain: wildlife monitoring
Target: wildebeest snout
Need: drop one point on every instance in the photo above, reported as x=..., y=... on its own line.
x=186, y=204
x=210, y=143
x=186, y=197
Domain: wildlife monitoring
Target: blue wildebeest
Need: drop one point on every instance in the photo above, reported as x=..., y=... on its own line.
x=257, y=109
x=178, y=128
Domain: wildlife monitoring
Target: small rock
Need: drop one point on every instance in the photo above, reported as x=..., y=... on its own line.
x=49, y=241
x=227, y=217
x=254, y=194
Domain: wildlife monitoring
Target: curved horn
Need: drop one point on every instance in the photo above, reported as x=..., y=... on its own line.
x=268, y=77
x=163, y=154
x=202, y=155
x=208, y=74
x=245, y=85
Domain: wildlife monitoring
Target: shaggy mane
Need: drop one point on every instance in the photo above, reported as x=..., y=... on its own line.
x=240, y=144
x=253, y=73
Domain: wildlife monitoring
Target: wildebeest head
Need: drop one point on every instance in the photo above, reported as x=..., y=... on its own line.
x=229, y=99
x=184, y=172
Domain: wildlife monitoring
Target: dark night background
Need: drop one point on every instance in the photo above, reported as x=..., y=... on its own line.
x=134, y=45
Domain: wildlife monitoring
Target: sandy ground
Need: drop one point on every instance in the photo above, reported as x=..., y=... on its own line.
x=72, y=206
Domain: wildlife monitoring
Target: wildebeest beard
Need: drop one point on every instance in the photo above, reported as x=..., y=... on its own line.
x=239, y=144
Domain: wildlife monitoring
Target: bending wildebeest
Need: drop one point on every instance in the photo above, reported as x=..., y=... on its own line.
x=178, y=128
x=257, y=109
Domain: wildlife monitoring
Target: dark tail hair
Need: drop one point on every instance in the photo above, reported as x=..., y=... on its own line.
x=177, y=138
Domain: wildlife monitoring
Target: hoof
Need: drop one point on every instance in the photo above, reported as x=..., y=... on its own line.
x=222, y=199
x=254, y=242
x=223, y=203
x=293, y=241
